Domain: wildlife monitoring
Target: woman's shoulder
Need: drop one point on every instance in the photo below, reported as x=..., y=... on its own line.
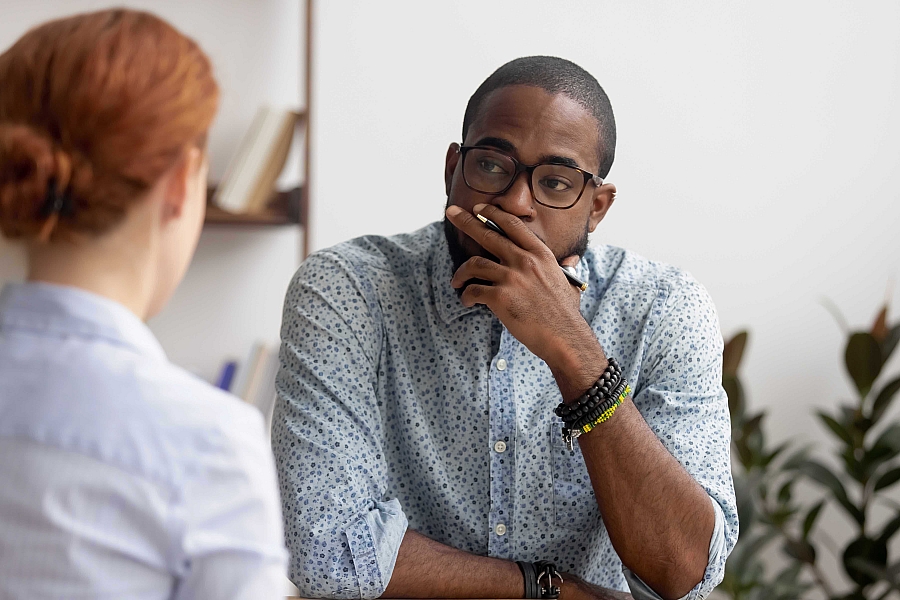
x=143, y=415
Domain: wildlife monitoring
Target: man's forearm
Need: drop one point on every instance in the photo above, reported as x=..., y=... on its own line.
x=428, y=569
x=660, y=521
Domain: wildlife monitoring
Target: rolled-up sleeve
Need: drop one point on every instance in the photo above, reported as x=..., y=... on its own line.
x=682, y=400
x=327, y=432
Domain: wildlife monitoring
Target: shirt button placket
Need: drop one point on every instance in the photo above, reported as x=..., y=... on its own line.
x=503, y=428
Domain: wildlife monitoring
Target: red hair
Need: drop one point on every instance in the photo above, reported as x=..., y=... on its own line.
x=101, y=105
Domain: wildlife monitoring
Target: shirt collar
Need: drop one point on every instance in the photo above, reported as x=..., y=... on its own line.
x=449, y=306
x=46, y=308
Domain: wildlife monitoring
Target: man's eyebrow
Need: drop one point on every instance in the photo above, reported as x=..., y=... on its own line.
x=498, y=143
x=559, y=160
x=509, y=148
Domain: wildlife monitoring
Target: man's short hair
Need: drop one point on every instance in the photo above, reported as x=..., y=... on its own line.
x=555, y=76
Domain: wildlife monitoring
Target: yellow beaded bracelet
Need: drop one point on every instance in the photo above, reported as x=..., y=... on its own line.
x=569, y=436
x=605, y=416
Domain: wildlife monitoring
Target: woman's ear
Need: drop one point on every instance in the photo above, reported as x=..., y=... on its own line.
x=179, y=180
x=603, y=199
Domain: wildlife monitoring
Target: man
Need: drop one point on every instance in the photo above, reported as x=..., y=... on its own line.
x=419, y=450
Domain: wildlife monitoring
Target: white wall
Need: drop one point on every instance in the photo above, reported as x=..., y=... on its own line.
x=232, y=294
x=759, y=148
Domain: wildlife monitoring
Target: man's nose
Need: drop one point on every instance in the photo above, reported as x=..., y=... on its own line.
x=517, y=200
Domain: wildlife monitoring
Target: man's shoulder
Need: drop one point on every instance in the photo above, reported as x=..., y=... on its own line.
x=620, y=267
x=396, y=253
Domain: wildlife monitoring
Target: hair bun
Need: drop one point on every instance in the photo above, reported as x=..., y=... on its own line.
x=29, y=159
x=102, y=104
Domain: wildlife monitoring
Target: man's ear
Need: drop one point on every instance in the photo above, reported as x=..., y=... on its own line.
x=450, y=163
x=178, y=183
x=603, y=199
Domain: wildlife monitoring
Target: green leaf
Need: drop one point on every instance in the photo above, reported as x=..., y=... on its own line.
x=838, y=429
x=890, y=529
x=821, y=474
x=733, y=352
x=801, y=550
x=888, y=479
x=890, y=343
x=863, y=360
x=852, y=466
x=862, y=557
x=810, y=519
x=884, y=398
x=879, y=329
x=784, y=494
x=747, y=550
x=796, y=460
x=889, y=438
x=767, y=460
x=752, y=425
x=736, y=405
x=744, y=453
x=873, y=459
x=780, y=516
x=743, y=492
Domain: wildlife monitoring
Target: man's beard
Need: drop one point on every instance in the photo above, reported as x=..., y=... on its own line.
x=459, y=255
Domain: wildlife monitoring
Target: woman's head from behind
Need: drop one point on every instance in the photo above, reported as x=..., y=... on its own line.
x=103, y=124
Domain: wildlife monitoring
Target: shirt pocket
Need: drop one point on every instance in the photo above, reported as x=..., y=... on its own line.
x=574, y=504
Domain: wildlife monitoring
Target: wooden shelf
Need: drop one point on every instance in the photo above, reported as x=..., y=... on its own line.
x=285, y=208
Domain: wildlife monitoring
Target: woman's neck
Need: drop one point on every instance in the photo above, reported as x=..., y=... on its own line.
x=123, y=272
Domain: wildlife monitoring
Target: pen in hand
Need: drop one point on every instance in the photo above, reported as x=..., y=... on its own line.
x=569, y=272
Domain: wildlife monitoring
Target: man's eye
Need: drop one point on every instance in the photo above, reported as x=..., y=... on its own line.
x=489, y=166
x=556, y=184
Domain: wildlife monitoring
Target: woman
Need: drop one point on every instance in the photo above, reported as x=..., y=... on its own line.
x=121, y=475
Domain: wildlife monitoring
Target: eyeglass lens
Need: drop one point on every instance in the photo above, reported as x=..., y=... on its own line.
x=490, y=172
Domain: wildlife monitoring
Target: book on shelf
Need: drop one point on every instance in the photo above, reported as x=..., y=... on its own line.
x=253, y=171
x=226, y=375
x=253, y=380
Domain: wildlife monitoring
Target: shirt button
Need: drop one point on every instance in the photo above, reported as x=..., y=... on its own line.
x=500, y=529
x=500, y=447
x=501, y=364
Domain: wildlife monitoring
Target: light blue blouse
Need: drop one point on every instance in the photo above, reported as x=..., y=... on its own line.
x=121, y=475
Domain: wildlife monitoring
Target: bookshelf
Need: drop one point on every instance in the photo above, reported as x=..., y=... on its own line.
x=291, y=207
x=285, y=208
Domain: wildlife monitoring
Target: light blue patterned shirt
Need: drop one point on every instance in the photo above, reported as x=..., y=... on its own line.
x=399, y=407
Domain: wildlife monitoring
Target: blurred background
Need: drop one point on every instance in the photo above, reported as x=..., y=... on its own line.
x=759, y=149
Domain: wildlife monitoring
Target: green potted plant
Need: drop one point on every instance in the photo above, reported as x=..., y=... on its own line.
x=867, y=446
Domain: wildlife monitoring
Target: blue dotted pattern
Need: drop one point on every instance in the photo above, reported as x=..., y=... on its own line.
x=392, y=397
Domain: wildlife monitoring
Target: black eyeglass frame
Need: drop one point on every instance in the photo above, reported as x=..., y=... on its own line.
x=521, y=167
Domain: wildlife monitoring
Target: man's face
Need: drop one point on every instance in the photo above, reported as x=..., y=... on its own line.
x=533, y=126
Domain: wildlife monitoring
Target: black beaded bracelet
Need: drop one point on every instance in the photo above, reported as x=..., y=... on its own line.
x=601, y=407
x=599, y=401
x=601, y=390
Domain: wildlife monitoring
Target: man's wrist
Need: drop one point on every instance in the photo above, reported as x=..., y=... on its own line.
x=576, y=362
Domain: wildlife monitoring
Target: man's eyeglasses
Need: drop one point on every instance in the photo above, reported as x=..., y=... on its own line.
x=489, y=171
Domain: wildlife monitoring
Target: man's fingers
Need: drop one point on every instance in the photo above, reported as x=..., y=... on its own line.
x=514, y=228
x=476, y=293
x=570, y=261
x=491, y=241
x=478, y=267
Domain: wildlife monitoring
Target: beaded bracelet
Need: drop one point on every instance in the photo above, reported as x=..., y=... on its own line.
x=571, y=434
x=601, y=389
x=600, y=408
